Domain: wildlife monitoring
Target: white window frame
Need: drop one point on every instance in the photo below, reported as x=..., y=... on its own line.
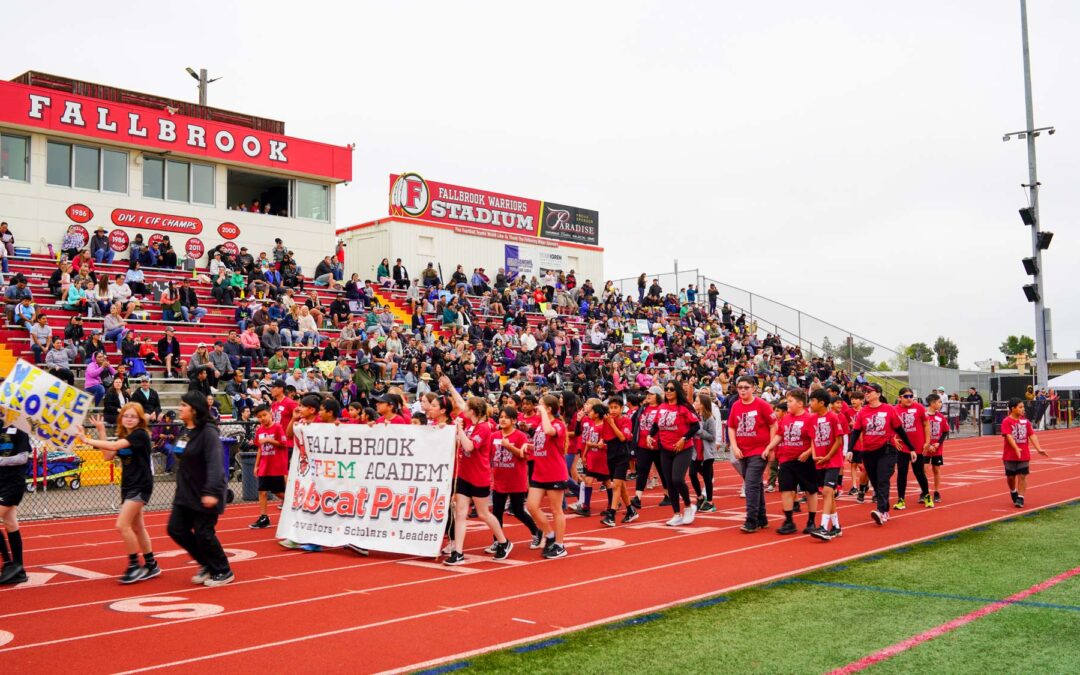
x=165, y=159
x=294, y=200
x=101, y=150
x=26, y=159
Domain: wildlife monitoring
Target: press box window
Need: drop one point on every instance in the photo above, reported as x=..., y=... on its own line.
x=14, y=157
x=312, y=201
x=249, y=190
x=178, y=181
x=85, y=167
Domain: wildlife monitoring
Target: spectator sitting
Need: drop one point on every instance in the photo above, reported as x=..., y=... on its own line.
x=73, y=241
x=430, y=276
x=223, y=367
x=58, y=360
x=189, y=303
x=15, y=293
x=324, y=273
x=40, y=337
x=99, y=247
x=116, y=397
x=251, y=344
x=25, y=314
x=60, y=280
x=278, y=363
x=96, y=373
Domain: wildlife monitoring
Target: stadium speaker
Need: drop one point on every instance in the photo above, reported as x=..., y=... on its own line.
x=1027, y=214
x=1043, y=240
x=1030, y=266
x=1031, y=292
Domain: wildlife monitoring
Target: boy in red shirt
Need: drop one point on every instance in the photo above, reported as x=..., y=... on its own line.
x=829, y=460
x=793, y=447
x=273, y=463
x=939, y=431
x=616, y=433
x=859, y=480
x=751, y=427
x=1019, y=436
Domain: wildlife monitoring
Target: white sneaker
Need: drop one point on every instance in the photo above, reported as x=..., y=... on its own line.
x=742, y=493
x=688, y=514
x=676, y=521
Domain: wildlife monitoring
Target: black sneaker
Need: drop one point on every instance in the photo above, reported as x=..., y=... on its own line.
x=666, y=501
x=455, y=558
x=796, y=507
x=132, y=574
x=220, y=579
x=537, y=540
x=152, y=570
x=852, y=492
x=608, y=519
x=635, y=501
x=835, y=532
x=820, y=533
x=631, y=515
x=261, y=522
x=502, y=551
x=762, y=523
x=860, y=497
x=809, y=529
x=748, y=527
x=555, y=551
x=700, y=501
x=937, y=497
x=787, y=528
x=13, y=573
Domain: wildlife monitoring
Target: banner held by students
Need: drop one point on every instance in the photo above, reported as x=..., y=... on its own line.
x=385, y=488
x=43, y=405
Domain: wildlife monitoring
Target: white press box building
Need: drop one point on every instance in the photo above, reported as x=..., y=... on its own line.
x=74, y=152
x=450, y=225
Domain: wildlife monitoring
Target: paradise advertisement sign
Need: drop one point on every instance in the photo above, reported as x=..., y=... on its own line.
x=385, y=488
x=416, y=197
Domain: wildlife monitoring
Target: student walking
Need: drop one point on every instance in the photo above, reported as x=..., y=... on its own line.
x=751, y=428
x=1019, y=437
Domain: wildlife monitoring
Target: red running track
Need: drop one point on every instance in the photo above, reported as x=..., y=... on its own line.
x=343, y=613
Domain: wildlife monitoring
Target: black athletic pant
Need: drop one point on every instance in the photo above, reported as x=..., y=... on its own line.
x=703, y=468
x=903, y=459
x=879, y=465
x=646, y=459
x=517, y=507
x=674, y=466
x=194, y=531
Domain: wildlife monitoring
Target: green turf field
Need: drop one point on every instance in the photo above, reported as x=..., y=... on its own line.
x=816, y=622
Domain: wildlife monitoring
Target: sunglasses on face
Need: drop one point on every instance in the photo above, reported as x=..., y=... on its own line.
x=907, y=396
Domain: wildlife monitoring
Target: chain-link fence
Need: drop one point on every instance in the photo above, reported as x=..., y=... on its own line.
x=81, y=482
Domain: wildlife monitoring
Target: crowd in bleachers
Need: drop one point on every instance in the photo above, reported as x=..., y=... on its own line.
x=489, y=334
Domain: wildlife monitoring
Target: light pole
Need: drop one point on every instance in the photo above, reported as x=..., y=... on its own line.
x=1035, y=291
x=203, y=82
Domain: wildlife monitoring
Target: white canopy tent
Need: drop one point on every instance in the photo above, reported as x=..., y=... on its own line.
x=1067, y=382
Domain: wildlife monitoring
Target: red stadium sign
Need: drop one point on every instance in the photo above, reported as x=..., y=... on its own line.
x=118, y=240
x=154, y=239
x=231, y=248
x=413, y=196
x=228, y=231
x=195, y=248
x=156, y=221
x=159, y=130
x=79, y=213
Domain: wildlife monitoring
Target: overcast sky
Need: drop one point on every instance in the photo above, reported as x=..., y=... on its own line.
x=844, y=157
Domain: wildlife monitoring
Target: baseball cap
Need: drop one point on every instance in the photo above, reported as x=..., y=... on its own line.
x=655, y=389
x=872, y=385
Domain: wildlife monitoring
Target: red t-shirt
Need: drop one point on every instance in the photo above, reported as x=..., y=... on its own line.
x=511, y=474
x=549, y=463
x=674, y=421
x=476, y=466
x=396, y=419
x=877, y=425
x=796, y=436
x=939, y=424
x=648, y=416
x=827, y=428
x=749, y=424
x=1021, y=432
x=282, y=411
x=608, y=434
x=851, y=425
x=575, y=445
x=914, y=420
x=595, y=458
x=528, y=425
x=273, y=460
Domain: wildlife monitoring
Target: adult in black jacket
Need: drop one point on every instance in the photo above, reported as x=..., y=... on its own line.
x=200, y=492
x=168, y=350
x=147, y=398
x=115, y=398
x=401, y=275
